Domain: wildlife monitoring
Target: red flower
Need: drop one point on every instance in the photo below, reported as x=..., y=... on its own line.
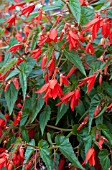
x=93, y=26
x=3, y=159
x=83, y=123
x=44, y=60
x=28, y=166
x=96, y=111
x=27, y=30
x=72, y=70
x=16, y=121
x=106, y=28
x=61, y=164
x=101, y=58
x=10, y=166
x=14, y=48
x=83, y=2
x=16, y=83
x=36, y=53
x=43, y=38
x=90, y=80
x=63, y=80
x=53, y=35
x=27, y=10
x=11, y=21
x=13, y=7
x=73, y=97
x=101, y=141
x=72, y=39
x=90, y=49
x=51, y=66
x=90, y=157
x=21, y=152
x=52, y=89
x=109, y=107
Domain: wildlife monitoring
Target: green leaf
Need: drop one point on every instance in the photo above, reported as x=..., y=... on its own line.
x=11, y=97
x=25, y=135
x=61, y=112
x=13, y=41
x=49, y=138
x=66, y=149
x=56, y=162
x=23, y=118
x=2, y=116
x=106, y=132
x=95, y=101
x=36, y=106
x=80, y=108
x=87, y=14
x=34, y=42
x=87, y=142
x=74, y=58
x=31, y=63
x=8, y=65
x=29, y=151
x=45, y=153
x=12, y=74
x=99, y=2
x=56, y=5
x=102, y=111
x=44, y=117
x=110, y=14
x=23, y=82
x=104, y=159
x=74, y=129
x=107, y=88
x=23, y=79
x=75, y=9
x=16, y=144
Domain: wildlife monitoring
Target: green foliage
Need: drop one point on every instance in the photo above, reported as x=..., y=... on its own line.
x=29, y=151
x=44, y=117
x=55, y=84
x=45, y=153
x=76, y=9
x=11, y=97
x=64, y=147
x=104, y=159
x=75, y=59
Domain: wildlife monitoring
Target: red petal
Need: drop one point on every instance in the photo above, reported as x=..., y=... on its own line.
x=72, y=102
x=16, y=83
x=92, y=161
x=89, y=153
x=77, y=93
x=80, y=126
x=67, y=96
x=52, y=83
x=14, y=48
x=53, y=34
x=91, y=23
x=91, y=83
x=44, y=60
x=73, y=35
x=100, y=143
x=96, y=111
x=95, y=30
x=61, y=164
x=72, y=70
x=43, y=88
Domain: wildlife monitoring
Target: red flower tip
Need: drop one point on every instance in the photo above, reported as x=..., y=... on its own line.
x=27, y=10
x=90, y=157
x=14, y=48
x=53, y=35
